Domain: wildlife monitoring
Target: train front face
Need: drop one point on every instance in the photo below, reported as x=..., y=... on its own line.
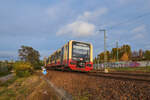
x=82, y=56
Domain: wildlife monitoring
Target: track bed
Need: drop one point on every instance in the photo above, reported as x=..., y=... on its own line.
x=82, y=85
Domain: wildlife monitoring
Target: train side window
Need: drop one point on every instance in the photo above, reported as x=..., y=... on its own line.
x=52, y=58
x=47, y=60
x=58, y=55
x=62, y=54
x=66, y=49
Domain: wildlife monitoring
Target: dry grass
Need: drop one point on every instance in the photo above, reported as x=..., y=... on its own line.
x=29, y=88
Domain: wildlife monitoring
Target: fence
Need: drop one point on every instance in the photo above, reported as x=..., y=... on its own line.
x=122, y=64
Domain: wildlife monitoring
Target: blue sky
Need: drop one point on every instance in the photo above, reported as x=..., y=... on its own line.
x=46, y=25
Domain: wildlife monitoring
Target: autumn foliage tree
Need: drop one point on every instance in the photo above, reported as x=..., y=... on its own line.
x=125, y=57
x=124, y=54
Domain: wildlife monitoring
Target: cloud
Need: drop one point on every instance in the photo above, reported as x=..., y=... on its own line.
x=138, y=29
x=139, y=32
x=55, y=12
x=87, y=15
x=78, y=29
x=138, y=36
x=81, y=27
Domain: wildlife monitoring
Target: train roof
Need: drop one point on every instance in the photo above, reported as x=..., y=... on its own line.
x=81, y=41
x=65, y=44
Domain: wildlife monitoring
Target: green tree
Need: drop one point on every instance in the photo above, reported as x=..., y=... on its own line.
x=101, y=57
x=147, y=55
x=95, y=60
x=28, y=54
x=114, y=53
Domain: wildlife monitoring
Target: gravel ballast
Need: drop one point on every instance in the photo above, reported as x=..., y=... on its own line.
x=82, y=86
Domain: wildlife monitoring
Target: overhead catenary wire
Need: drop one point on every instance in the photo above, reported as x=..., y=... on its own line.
x=129, y=20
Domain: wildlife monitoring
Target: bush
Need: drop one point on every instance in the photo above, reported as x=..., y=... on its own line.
x=4, y=70
x=23, y=69
x=36, y=65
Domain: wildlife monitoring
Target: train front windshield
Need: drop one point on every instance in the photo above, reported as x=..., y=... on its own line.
x=80, y=51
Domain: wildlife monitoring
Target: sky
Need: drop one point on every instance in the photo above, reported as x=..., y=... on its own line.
x=47, y=25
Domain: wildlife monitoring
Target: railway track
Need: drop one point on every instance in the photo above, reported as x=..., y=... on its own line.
x=139, y=77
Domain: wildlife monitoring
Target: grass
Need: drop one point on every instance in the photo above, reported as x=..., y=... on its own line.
x=4, y=73
x=5, y=92
x=131, y=69
x=8, y=82
x=11, y=88
x=24, y=88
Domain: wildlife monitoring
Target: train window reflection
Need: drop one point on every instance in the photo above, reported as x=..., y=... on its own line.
x=80, y=50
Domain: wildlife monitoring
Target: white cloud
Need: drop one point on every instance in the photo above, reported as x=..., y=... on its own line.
x=78, y=29
x=139, y=32
x=87, y=15
x=81, y=27
x=138, y=36
x=138, y=29
x=55, y=12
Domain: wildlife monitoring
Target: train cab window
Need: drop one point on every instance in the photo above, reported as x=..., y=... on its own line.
x=80, y=50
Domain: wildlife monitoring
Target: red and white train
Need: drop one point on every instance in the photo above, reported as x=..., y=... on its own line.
x=75, y=55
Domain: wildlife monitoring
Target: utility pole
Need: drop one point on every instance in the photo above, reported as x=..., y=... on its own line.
x=117, y=50
x=105, y=55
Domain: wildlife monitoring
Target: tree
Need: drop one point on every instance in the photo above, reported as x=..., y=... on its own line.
x=101, y=57
x=126, y=49
x=135, y=56
x=125, y=57
x=95, y=60
x=28, y=54
x=147, y=55
x=114, y=53
x=121, y=51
